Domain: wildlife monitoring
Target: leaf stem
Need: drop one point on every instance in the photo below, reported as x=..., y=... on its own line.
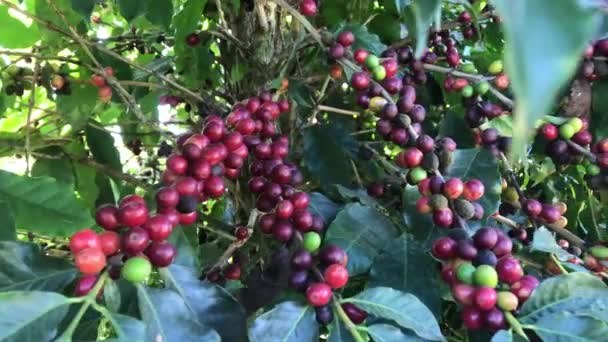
x=88, y=300
x=350, y=326
x=559, y=264
x=515, y=325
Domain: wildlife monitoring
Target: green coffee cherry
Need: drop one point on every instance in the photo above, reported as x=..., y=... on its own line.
x=312, y=241
x=495, y=67
x=482, y=87
x=465, y=273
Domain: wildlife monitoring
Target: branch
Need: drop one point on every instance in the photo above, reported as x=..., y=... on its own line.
x=299, y=17
x=236, y=244
x=582, y=150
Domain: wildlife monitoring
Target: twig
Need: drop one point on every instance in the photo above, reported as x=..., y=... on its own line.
x=357, y=177
x=107, y=170
x=236, y=244
x=299, y=17
x=582, y=150
x=350, y=326
x=337, y=110
x=559, y=264
x=32, y=101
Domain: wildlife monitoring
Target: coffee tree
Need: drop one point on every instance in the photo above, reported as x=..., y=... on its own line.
x=302, y=170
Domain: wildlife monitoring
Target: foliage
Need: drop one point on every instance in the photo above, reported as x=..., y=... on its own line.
x=97, y=97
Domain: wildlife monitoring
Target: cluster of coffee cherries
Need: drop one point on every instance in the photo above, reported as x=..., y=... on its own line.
x=596, y=258
x=132, y=242
x=483, y=275
x=14, y=80
x=598, y=48
x=557, y=137
x=542, y=213
x=170, y=100
x=104, y=90
x=447, y=198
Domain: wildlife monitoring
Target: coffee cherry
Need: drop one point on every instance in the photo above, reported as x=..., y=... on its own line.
x=90, y=260
x=453, y=188
x=105, y=94
x=187, y=218
x=98, y=81
x=495, y=67
x=298, y=280
x=214, y=187
x=336, y=51
x=83, y=239
x=336, y=276
x=532, y=207
x=495, y=319
x=312, y=241
x=416, y=175
x=308, y=8
x=85, y=284
x=232, y=272
x=360, y=80
x=346, y=38
x=303, y=220
x=463, y=293
x=503, y=246
x=167, y=197
x=300, y=200
x=109, y=242
x=136, y=269
x=376, y=190
x=301, y=260
x=509, y=270
x=466, y=250
x=133, y=214
x=106, y=217
x=372, y=61
x=161, y=254
x=485, y=275
x=331, y=254
x=566, y=131
x=444, y=248
x=550, y=213
x=472, y=318
x=485, y=238
x=355, y=314
x=360, y=55
x=485, y=257
x=507, y=301
x=465, y=273
x=473, y=190
x=524, y=287
x=318, y=294
x=158, y=227
x=324, y=314
x=549, y=131
x=193, y=39
x=485, y=298
x=443, y=217
x=135, y=241
x=282, y=230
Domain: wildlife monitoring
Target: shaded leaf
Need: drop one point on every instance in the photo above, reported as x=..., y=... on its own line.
x=323, y=206
x=288, y=321
x=79, y=106
x=327, y=150
x=131, y=9
x=544, y=241
x=101, y=144
x=8, y=232
x=364, y=39
x=58, y=211
x=167, y=317
x=31, y=316
x=210, y=304
x=60, y=169
x=160, y=12
x=338, y=332
x=537, y=74
x=84, y=7
x=357, y=194
x=362, y=232
x=424, y=12
x=402, y=308
x=14, y=33
x=389, y=333
x=23, y=266
x=129, y=329
x=407, y=266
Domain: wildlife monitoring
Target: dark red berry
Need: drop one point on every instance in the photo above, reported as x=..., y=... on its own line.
x=161, y=254
x=107, y=217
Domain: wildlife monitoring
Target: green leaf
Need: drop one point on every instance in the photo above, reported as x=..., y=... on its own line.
x=57, y=211
x=396, y=6
x=451, y=126
x=364, y=39
x=14, y=33
x=388, y=27
x=287, y=322
x=503, y=123
x=23, y=266
x=407, y=266
x=79, y=106
x=362, y=232
x=424, y=11
x=101, y=144
x=44, y=11
x=403, y=308
x=85, y=184
x=31, y=316
x=60, y=169
x=570, y=307
x=84, y=7
x=544, y=241
x=338, y=332
x=212, y=305
x=128, y=328
x=323, y=206
x=186, y=21
x=479, y=163
x=599, y=107
x=536, y=73
x=327, y=151
x=389, y=333
x=8, y=231
x=160, y=12
x=131, y=9
x=168, y=318
x=358, y=195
